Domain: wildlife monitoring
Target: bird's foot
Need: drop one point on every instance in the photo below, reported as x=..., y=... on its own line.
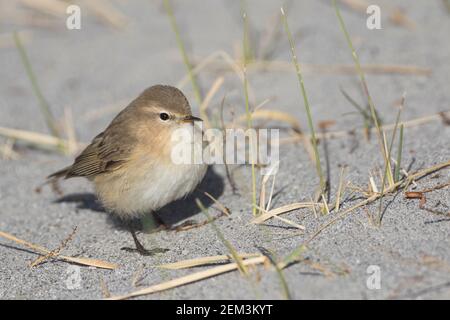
x=140, y=248
x=145, y=252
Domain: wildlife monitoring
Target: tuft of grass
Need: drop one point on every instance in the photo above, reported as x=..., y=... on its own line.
x=366, y=115
x=45, y=107
x=306, y=103
x=381, y=137
x=404, y=183
x=249, y=118
x=387, y=169
x=173, y=22
x=362, y=78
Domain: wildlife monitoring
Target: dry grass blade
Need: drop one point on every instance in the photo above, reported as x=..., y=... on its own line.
x=56, y=8
x=345, y=133
x=222, y=208
x=274, y=115
x=334, y=69
x=356, y=5
x=262, y=195
x=7, y=39
x=205, y=103
x=373, y=69
x=54, y=253
x=36, y=139
x=194, y=277
x=372, y=185
x=272, y=188
x=281, y=210
x=72, y=144
x=137, y=277
x=289, y=222
x=106, y=12
x=340, y=190
x=99, y=112
x=396, y=15
x=213, y=58
x=104, y=288
x=438, y=187
x=189, y=263
x=41, y=250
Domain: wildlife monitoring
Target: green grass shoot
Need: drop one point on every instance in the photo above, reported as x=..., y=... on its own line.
x=363, y=82
x=237, y=258
x=173, y=22
x=399, y=155
x=306, y=103
x=249, y=120
x=387, y=169
x=45, y=107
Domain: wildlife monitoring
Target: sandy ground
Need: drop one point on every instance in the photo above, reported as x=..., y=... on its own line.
x=100, y=69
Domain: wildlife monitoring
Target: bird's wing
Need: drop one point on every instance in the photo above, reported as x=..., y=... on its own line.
x=107, y=152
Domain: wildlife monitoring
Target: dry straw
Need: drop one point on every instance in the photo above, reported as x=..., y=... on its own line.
x=43, y=251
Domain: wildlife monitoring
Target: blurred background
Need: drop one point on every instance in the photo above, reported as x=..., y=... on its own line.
x=125, y=46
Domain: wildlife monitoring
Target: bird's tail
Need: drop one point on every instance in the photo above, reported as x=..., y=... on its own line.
x=59, y=174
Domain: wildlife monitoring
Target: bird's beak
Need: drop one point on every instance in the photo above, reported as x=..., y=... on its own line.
x=190, y=119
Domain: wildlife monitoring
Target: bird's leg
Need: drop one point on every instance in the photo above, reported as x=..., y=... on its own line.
x=140, y=248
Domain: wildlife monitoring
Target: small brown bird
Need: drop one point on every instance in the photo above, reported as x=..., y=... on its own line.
x=130, y=162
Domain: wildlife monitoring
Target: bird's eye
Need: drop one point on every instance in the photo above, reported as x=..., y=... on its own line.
x=164, y=116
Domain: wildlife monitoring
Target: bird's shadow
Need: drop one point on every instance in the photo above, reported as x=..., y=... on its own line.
x=170, y=214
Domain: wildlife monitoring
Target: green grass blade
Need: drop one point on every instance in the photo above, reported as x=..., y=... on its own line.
x=363, y=82
x=306, y=103
x=387, y=169
x=173, y=22
x=248, y=55
x=273, y=260
x=237, y=258
x=45, y=108
x=399, y=155
x=293, y=257
x=249, y=118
